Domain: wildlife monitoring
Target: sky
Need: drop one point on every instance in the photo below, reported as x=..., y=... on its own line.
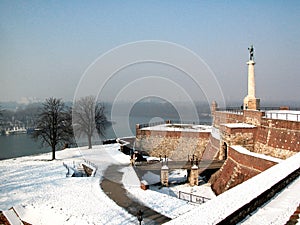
x=48, y=49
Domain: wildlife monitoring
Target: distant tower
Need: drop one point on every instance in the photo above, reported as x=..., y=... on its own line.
x=250, y=101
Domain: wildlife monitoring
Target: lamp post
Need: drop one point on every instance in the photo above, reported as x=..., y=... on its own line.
x=140, y=216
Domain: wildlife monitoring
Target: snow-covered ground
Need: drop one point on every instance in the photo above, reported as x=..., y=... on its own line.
x=50, y=197
x=41, y=192
x=47, y=196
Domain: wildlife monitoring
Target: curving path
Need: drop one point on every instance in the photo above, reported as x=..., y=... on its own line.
x=116, y=191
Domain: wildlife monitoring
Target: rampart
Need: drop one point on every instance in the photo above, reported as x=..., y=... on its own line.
x=278, y=138
x=239, y=166
x=275, y=137
x=176, y=144
x=250, y=129
x=258, y=134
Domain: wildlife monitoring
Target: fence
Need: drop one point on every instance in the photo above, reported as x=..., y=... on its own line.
x=235, y=110
x=192, y=198
x=151, y=124
x=174, y=122
x=283, y=116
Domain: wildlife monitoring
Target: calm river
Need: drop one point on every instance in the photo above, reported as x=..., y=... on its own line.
x=12, y=146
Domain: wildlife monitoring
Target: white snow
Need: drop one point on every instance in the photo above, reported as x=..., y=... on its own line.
x=50, y=197
x=238, y=125
x=245, y=151
x=41, y=193
x=179, y=127
x=163, y=203
x=215, y=210
x=272, y=212
x=12, y=217
x=215, y=132
x=151, y=178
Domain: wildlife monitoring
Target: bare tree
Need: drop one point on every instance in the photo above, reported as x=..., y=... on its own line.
x=88, y=117
x=54, y=126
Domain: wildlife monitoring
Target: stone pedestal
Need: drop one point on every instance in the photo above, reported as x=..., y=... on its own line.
x=194, y=176
x=164, y=175
x=251, y=103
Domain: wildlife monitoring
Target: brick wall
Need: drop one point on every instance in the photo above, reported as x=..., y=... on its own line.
x=278, y=138
x=237, y=168
x=239, y=136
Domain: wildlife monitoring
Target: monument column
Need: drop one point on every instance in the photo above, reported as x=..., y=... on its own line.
x=250, y=101
x=251, y=79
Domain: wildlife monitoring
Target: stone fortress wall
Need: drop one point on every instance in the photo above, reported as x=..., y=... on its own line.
x=237, y=168
x=177, y=145
x=251, y=130
x=274, y=137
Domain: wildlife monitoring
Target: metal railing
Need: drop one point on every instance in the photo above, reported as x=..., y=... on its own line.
x=268, y=112
x=174, y=122
x=192, y=198
x=151, y=124
x=235, y=110
x=283, y=116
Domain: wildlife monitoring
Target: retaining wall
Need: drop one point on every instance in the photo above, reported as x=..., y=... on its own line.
x=174, y=144
x=238, y=167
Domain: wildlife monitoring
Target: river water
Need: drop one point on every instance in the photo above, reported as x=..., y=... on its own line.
x=18, y=145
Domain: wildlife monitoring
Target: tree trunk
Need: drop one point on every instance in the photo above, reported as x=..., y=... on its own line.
x=53, y=152
x=90, y=141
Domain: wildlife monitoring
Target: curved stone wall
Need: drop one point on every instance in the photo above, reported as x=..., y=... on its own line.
x=237, y=168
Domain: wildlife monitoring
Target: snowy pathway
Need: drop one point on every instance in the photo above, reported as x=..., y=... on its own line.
x=113, y=187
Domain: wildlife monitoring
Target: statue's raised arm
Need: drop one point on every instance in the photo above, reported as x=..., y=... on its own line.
x=251, y=52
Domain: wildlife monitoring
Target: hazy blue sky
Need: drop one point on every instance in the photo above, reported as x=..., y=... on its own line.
x=46, y=46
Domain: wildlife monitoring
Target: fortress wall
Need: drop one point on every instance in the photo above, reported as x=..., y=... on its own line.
x=252, y=117
x=278, y=138
x=237, y=168
x=174, y=144
x=274, y=137
x=239, y=136
x=226, y=117
x=212, y=149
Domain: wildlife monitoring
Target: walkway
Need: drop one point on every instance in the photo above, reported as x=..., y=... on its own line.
x=112, y=186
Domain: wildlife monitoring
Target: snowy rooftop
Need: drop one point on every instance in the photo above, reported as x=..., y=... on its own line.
x=238, y=125
x=179, y=127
